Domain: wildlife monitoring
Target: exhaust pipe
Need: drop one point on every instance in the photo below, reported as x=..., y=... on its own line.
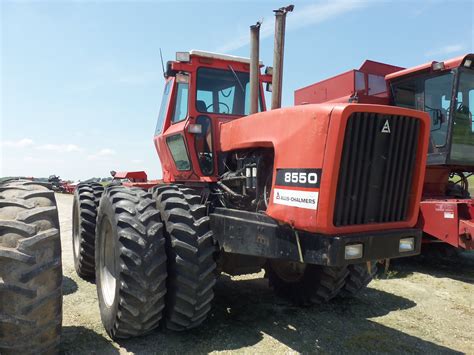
x=278, y=51
x=254, y=67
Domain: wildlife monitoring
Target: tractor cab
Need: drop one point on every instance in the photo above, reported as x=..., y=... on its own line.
x=446, y=91
x=202, y=90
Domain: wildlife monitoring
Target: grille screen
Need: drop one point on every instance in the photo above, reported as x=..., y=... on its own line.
x=376, y=172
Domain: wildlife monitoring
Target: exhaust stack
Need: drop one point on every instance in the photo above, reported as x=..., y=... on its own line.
x=254, y=66
x=278, y=52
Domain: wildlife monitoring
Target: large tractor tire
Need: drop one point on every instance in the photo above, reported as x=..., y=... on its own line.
x=190, y=249
x=360, y=275
x=84, y=217
x=130, y=262
x=305, y=284
x=30, y=269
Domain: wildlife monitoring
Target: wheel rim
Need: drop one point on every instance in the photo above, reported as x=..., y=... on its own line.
x=289, y=271
x=107, y=262
x=76, y=243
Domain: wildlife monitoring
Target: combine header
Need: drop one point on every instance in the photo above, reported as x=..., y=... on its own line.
x=313, y=194
x=445, y=90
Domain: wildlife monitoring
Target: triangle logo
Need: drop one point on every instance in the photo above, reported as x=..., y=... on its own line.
x=386, y=127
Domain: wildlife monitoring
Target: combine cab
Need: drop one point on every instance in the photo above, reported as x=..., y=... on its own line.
x=313, y=194
x=445, y=90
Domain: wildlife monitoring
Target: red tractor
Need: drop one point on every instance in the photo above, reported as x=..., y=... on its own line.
x=313, y=194
x=445, y=90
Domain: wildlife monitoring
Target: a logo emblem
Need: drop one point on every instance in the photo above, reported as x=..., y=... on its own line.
x=386, y=127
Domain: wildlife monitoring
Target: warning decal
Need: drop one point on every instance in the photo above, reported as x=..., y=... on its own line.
x=296, y=198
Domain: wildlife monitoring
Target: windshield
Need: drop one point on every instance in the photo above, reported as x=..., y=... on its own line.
x=462, y=148
x=223, y=91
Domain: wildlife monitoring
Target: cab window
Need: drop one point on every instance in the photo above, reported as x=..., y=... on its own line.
x=181, y=104
x=163, y=107
x=178, y=151
x=225, y=92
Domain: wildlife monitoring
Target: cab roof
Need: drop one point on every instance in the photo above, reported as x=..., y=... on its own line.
x=448, y=64
x=228, y=57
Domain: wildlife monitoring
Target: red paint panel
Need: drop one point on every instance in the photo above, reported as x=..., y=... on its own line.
x=451, y=221
x=311, y=136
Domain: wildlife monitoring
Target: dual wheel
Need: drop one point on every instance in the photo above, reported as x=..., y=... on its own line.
x=154, y=259
x=306, y=284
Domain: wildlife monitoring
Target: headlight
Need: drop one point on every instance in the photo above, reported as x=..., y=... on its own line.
x=183, y=57
x=406, y=244
x=353, y=251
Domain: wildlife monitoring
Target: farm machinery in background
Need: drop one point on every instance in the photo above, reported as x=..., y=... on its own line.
x=313, y=194
x=445, y=90
x=62, y=186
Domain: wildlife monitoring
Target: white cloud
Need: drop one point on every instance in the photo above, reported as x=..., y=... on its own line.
x=106, y=151
x=304, y=16
x=102, y=154
x=445, y=50
x=69, y=148
x=22, y=143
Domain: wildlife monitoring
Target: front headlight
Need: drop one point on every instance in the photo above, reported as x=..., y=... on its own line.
x=406, y=244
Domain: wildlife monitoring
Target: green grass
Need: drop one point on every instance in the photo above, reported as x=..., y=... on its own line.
x=471, y=181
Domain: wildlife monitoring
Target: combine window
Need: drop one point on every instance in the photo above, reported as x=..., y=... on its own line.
x=430, y=94
x=462, y=148
x=225, y=92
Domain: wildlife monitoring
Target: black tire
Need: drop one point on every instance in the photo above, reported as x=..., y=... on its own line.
x=434, y=251
x=312, y=284
x=84, y=218
x=360, y=275
x=190, y=249
x=130, y=246
x=30, y=269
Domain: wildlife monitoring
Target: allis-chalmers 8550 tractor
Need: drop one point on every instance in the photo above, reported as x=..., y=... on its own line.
x=445, y=90
x=314, y=194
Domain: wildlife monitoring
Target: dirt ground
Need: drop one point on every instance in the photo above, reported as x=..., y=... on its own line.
x=418, y=307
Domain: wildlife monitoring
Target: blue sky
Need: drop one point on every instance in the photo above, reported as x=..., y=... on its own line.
x=81, y=81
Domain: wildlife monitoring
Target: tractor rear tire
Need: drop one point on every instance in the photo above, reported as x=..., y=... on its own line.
x=360, y=275
x=305, y=284
x=130, y=262
x=84, y=218
x=30, y=269
x=191, y=249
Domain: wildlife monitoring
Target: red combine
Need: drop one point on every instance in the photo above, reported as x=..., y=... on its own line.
x=313, y=194
x=445, y=90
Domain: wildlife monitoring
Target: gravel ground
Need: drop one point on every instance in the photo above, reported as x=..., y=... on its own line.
x=418, y=307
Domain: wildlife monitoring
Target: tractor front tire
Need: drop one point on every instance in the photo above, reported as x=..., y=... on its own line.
x=30, y=269
x=305, y=284
x=360, y=275
x=130, y=262
x=191, y=249
x=84, y=217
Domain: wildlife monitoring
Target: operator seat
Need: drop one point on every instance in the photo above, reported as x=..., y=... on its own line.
x=201, y=106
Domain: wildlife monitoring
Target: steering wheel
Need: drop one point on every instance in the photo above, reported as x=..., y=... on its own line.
x=220, y=103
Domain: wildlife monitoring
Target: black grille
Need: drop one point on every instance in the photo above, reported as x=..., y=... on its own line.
x=376, y=171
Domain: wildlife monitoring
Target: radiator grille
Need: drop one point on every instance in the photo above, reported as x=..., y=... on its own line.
x=376, y=171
